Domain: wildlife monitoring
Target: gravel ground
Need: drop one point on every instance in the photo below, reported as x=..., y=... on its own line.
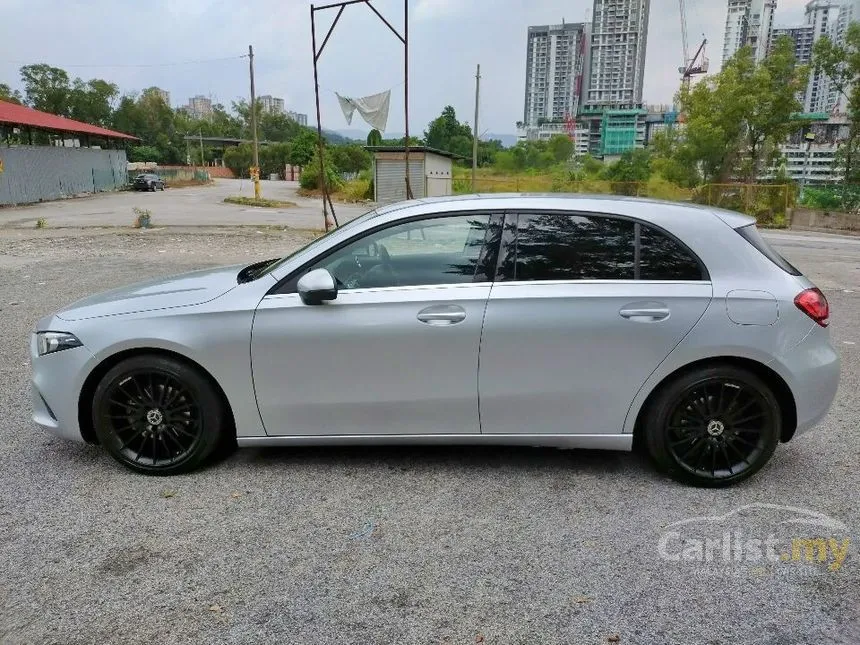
x=382, y=545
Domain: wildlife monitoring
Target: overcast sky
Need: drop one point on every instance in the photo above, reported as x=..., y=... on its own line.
x=108, y=38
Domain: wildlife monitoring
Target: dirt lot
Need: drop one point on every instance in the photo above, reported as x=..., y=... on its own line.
x=389, y=545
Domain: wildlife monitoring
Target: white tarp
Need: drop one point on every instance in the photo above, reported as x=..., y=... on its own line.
x=373, y=109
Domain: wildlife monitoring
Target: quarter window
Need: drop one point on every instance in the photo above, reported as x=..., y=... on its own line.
x=662, y=258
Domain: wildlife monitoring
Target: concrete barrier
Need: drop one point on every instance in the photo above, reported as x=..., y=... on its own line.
x=806, y=219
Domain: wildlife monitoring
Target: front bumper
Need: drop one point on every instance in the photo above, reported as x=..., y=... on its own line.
x=55, y=389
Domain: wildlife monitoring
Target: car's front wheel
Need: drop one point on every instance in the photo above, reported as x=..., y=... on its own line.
x=158, y=415
x=714, y=426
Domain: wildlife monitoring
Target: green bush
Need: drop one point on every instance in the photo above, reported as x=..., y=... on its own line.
x=310, y=176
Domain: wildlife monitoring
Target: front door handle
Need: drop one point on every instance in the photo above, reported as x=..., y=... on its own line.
x=442, y=315
x=645, y=314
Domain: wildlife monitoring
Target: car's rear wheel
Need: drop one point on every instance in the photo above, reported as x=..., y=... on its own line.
x=714, y=426
x=158, y=415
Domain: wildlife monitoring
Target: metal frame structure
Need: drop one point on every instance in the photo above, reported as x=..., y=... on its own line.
x=340, y=6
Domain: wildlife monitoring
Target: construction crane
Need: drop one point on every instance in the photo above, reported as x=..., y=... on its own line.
x=696, y=65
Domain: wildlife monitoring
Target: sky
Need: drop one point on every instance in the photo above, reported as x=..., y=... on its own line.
x=138, y=45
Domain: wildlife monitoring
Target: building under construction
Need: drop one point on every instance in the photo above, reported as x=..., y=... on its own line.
x=586, y=79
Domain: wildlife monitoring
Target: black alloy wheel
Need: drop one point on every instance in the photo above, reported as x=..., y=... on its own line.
x=714, y=427
x=158, y=415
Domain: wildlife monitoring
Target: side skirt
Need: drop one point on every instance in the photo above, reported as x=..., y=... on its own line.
x=620, y=442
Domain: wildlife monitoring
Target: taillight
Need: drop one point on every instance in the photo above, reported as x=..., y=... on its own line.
x=813, y=303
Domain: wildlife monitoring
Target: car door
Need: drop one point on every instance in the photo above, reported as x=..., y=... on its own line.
x=396, y=352
x=584, y=308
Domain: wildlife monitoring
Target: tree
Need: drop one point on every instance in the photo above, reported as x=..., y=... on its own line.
x=10, y=95
x=143, y=153
x=841, y=65
x=735, y=120
x=277, y=127
x=92, y=102
x=350, y=158
x=46, y=88
x=303, y=147
x=633, y=166
x=445, y=131
x=374, y=138
x=561, y=147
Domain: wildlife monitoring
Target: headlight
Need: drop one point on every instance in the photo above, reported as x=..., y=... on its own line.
x=48, y=342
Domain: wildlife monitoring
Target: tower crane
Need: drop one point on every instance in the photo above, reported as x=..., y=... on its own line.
x=699, y=63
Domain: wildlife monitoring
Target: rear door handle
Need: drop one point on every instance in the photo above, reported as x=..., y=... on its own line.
x=442, y=315
x=645, y=315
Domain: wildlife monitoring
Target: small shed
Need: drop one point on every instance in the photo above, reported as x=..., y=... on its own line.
x=430, y=172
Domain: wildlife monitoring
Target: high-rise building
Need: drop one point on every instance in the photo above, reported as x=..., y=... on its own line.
x=271, y=104
x=555, y=62
x=164, y=94
x=749, y=23
x=301, y=119
x=619, y=37
x=849, y=12
x=803, y=38
x=200, y=107
x=823, y=17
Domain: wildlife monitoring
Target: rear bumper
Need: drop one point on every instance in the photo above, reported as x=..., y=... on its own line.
x=812, y=370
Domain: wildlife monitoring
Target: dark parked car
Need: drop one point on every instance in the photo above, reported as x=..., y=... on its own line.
x=148, y=182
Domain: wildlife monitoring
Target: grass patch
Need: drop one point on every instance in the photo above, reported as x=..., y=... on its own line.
x=355, y=191
x=263, y=203
x=41, y=223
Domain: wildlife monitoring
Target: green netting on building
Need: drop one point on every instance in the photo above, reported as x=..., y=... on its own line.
x=618, y=131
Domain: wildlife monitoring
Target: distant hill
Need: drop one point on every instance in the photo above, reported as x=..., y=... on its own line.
x=336, y=138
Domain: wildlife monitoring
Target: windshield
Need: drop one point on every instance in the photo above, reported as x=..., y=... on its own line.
x=348, y=226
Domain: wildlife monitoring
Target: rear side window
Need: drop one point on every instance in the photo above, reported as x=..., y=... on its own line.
x=553, y=246
x=561, y=246
x=752, y=235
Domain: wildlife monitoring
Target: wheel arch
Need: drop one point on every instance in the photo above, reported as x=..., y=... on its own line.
x=780, y=389
x=85, y=419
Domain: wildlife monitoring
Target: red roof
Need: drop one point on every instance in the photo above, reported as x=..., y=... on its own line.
x=15, y=114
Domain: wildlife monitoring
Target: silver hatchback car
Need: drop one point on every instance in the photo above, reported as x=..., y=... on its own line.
x=568, y=321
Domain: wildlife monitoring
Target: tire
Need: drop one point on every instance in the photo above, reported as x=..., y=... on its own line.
x=158, y=416
x=713, y=427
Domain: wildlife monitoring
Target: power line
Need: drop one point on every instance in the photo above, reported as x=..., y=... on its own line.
x=138, y=65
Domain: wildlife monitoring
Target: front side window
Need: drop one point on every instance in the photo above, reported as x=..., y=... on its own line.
x=436, y=251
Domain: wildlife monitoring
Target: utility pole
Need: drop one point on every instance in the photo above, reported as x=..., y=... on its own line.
x=255, y=171
x=475, y=130
x=202, y=159
x=405, y=39
x=809, y=137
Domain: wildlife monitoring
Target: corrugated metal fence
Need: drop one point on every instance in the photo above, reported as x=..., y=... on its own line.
x=35, y=173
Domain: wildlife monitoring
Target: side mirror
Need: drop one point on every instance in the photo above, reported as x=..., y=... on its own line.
x=317, y=286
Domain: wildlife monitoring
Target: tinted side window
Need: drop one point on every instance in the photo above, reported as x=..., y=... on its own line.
x=552, y=246
x=662, y=258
